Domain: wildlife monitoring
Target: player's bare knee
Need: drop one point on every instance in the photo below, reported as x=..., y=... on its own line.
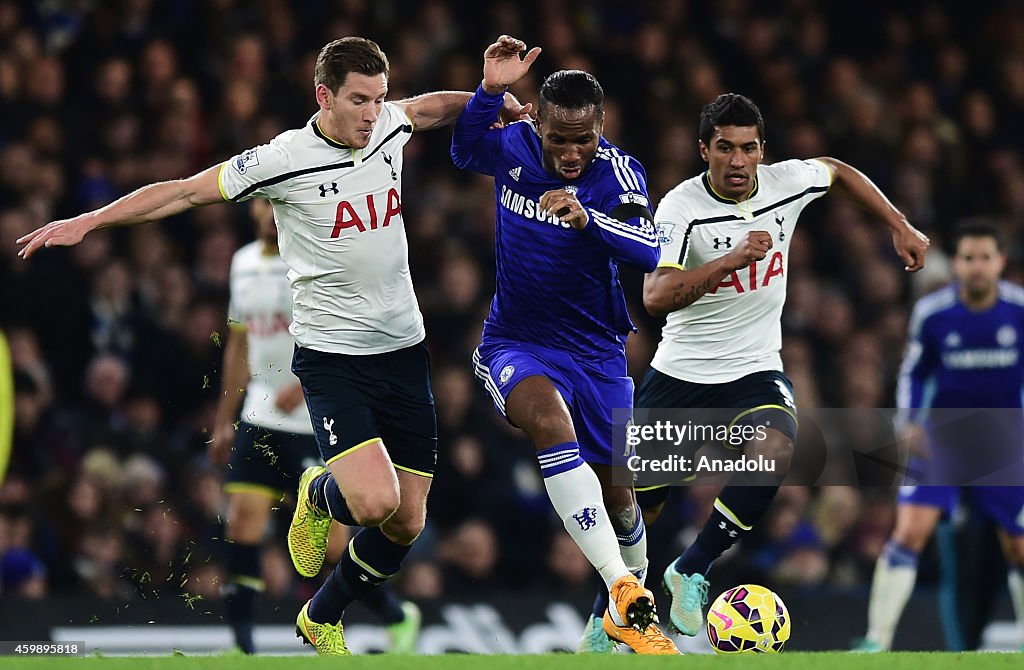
x=403, y=531
x=548, y=428
x=776, y=447
x=911, y=538
x=244, y=532
x=1015, y=552
x=373, y=508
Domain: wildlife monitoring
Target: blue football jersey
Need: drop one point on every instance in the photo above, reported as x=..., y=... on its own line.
x=557, y=286
x=957, y=358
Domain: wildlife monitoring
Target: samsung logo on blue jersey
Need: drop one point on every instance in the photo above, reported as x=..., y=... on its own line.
x=972, y=359
x=520, y=205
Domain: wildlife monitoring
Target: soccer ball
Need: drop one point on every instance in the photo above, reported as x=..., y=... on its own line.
x=748, y=618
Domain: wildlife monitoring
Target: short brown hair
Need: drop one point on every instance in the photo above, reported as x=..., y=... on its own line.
x=348, y=54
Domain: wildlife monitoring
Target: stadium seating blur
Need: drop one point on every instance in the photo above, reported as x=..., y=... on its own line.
x=116, y=368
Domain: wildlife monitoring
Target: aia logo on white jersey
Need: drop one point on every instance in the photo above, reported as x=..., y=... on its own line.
x=515, y=172
x=755, y=276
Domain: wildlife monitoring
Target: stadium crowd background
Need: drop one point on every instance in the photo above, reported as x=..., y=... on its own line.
x=113, y=341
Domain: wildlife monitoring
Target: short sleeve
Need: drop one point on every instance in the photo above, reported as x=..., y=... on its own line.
x=812, y=175
x=258, y=172
x=670, y=223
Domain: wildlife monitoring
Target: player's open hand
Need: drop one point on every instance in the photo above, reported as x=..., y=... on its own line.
x=288, y=398
x=512, y=110
x=63, y=233
x=911, y=245
x=502, y=65
x=218, y=450
x=566, y=206
x=752, y=248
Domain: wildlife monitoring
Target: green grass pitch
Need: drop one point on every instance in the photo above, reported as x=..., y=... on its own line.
x=786, y=661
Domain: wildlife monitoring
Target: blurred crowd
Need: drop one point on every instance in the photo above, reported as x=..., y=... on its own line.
x=116, y=342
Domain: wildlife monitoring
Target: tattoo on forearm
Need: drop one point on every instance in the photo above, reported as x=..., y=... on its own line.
x=684, y=296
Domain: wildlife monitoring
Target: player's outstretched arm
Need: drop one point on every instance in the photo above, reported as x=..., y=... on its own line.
x=671, y=287
x=436, y=110
x=911, y=244
x=149, y=203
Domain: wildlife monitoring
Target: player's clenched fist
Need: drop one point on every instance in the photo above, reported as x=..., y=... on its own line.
x=566, y=206
x=753, y=247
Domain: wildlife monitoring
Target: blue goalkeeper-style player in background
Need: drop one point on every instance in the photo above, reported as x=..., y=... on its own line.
x=965, y=350
x=570, y=207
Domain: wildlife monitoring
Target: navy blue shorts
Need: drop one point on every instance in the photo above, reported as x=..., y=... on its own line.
x=760, y=398
x=357, y=400
x=590, y=389
x=268, y=461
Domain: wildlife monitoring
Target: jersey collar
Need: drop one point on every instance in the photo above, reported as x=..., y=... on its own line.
x=326, y=138
x=706, y=180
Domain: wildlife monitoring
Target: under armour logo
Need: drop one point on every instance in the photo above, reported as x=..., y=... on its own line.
x=329, y=427
x=387, y=159
x=324, y=188
x=724, y=526
x=587, y=518
x=514, y=173
x=778, y=221
x=727, y=243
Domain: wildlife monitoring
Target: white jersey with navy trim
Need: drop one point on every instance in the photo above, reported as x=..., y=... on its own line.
x=341, y=232
x=261, y=304
x=735, y=329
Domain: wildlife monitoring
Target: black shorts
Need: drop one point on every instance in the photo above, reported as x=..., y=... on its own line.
x=356, y=400
x=268, y=461
x=759, y=398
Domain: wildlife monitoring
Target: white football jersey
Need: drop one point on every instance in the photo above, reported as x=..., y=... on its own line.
x=261, y=304
x=736, y=328
x=341, y=232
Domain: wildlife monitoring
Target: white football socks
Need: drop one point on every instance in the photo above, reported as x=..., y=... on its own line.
x=1015, y=579
x=893, y=582
x=575, y=493
x=633, y=548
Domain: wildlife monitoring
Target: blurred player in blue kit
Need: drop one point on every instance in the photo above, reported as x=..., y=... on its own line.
x=570, y=207
x=965, y=350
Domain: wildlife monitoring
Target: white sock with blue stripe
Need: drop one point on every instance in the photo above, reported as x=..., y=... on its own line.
x=575, y=493
x=1015, y=579
x=633, y=548
x=893, y=582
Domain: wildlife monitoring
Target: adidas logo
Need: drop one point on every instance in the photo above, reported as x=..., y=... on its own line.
x=514, y=173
